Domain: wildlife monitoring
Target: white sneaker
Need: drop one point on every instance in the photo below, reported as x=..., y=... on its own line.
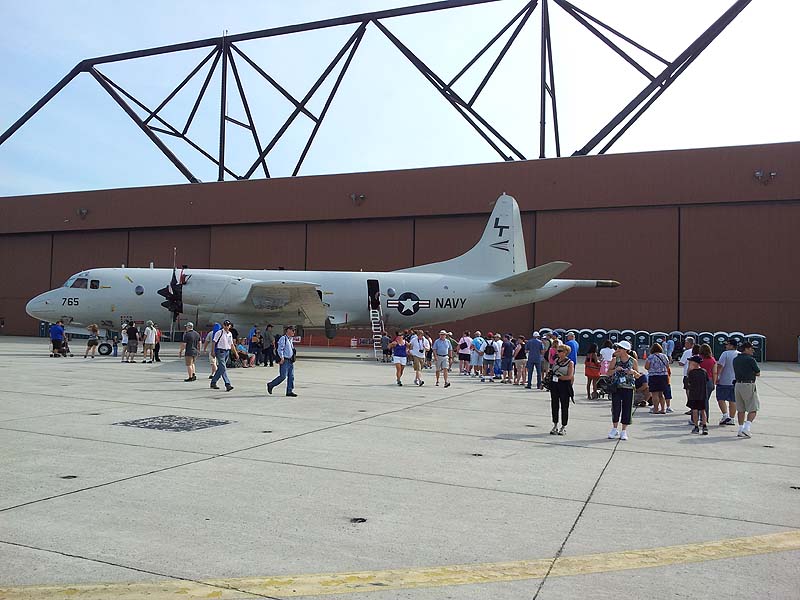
x=741, y=432
x=614, y=433
x=669, y=410
x=746, y=432
x=623, y=435
x=724, y=419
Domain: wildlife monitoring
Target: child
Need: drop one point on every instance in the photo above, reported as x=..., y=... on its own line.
x=696, y=393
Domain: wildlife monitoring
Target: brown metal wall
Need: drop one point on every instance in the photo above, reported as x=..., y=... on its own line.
x=697, y=242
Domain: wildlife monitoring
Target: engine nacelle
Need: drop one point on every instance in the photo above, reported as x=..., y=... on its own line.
x=209, y=290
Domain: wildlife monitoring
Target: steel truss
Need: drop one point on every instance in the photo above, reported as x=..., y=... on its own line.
x=225, y=55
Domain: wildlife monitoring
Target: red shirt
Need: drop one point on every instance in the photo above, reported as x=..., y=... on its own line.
x=708, y=365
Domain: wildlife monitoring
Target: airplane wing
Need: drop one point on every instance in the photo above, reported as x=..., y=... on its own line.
x=535, y=278
x=287, y=298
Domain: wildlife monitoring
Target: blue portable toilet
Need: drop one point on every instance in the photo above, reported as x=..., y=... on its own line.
x=738, y=337
x=599, y=336
x=706, y=337
x=585, y=338
x=759, y=346
x=629, y=335
x=677, y=337
x=720, y=337
x=614, y=335
x=642, y=345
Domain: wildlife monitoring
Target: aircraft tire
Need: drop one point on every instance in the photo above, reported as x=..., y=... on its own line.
x=104, y=349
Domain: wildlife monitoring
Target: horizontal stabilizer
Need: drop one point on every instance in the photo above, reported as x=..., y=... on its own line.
x=535, y=278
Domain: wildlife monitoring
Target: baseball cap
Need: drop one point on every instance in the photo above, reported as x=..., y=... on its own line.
x=442, y=332
x=535, y=334
x=190, y=325
x=226, y=322
x=696, y=358
x=490, y=334
x=732, y=342
x=624, y=344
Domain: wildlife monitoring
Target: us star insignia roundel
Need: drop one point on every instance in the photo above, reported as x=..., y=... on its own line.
x=408, y=303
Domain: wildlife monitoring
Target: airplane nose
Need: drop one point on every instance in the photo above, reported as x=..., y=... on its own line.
x=41, y=308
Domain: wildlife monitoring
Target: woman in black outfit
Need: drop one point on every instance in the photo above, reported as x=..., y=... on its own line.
x=563, y=370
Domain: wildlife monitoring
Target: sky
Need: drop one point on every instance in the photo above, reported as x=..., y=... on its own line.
x=741, y=90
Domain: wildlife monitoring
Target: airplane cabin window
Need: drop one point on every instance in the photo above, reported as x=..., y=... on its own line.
x=94, y=284
x=80, y=282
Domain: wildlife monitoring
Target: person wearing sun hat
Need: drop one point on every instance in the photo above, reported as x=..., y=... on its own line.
x=623, y=370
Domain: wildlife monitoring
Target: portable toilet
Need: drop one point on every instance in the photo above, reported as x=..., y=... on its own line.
x=738, y=337
x=642, y=345
x=544, y=330
x=561, y=333
x=706, y=337
x=677, y=337
x=718, y=348
x=759, y=346
x=691, y=334
x=658, y=337
x=614, y=335
x=629, y=335
x=585, y=338
x=599, y=337
x=576, y=333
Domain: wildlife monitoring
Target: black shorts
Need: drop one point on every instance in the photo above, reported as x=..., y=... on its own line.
x=57, y=345
x=657, y=383
x=463, y=356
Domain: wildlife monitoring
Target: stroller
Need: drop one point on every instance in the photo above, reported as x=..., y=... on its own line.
x=604, y=387
x=64, y=351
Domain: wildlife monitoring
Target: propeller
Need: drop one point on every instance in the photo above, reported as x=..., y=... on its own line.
x=173, y=294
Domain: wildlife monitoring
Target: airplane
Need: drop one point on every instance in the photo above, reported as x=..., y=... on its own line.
x=491, y=276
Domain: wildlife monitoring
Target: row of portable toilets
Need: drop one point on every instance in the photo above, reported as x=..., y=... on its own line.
x=641, y=341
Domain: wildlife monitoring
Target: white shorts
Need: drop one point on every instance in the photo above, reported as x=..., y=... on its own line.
x=212, y=358
x=399, y=360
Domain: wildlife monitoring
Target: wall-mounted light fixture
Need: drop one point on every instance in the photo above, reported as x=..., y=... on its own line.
x=764, y=177
x=358, y=199
x=82, y=212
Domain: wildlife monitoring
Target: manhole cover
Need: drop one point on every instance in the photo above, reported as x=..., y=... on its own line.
x=173, y=423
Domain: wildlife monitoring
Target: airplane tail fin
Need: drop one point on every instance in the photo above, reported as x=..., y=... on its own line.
x=534, y=278
x=499, y=253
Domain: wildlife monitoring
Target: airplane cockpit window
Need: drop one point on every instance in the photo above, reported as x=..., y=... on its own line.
x=94, y=284
x=70, y=281
x=80, y=283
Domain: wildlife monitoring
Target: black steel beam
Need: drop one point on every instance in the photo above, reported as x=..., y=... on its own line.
x=223, y=108
x=264, y=33
x=691, y=52
x=153, y=137
x=500, y=56
x=325, y=108
x=305, y=99
x=543, y=78
x=246, y=106
x=552, y=90
x=80, y=67
x=274, y=83
x=202, y=91
x=569, y=9
x=491, y=42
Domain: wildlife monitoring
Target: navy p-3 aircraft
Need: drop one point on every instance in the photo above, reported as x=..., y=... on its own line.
x=492, y=276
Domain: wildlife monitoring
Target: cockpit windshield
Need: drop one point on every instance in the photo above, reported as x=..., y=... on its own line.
x=76, y=282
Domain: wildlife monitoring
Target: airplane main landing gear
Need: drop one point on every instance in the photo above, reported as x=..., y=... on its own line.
x=330, y=329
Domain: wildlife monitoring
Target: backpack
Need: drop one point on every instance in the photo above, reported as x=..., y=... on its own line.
x=489, y=350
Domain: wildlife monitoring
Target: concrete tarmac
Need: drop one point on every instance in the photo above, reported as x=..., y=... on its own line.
x=362, y=489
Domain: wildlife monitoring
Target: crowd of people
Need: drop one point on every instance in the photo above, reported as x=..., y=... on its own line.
x=614, y=370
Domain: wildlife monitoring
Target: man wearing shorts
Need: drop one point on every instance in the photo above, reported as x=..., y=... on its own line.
x=417, y=345
x=724, y=387
x=133, y=342
x=212, y=354
x=745, y=369
x=442, y=355
x=149, y=342
x=191, y=348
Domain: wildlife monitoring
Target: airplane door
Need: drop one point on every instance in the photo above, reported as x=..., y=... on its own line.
x=374, y=294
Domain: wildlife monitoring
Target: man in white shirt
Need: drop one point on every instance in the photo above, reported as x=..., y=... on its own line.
x=724, y=383
x=223, y=345
x=149, y=342
x=124, y=335
x=417, y=343
x=286, y=357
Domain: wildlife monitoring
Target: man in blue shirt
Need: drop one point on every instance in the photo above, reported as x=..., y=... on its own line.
x=442, y=355
x=57, y=338
x=286, y=358
x=573, y=348
x=534, y=348
x=669, y=347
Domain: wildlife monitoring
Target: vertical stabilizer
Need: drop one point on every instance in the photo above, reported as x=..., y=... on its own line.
x=499, y=253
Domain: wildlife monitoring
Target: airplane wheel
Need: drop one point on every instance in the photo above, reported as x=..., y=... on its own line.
x=104, y=349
